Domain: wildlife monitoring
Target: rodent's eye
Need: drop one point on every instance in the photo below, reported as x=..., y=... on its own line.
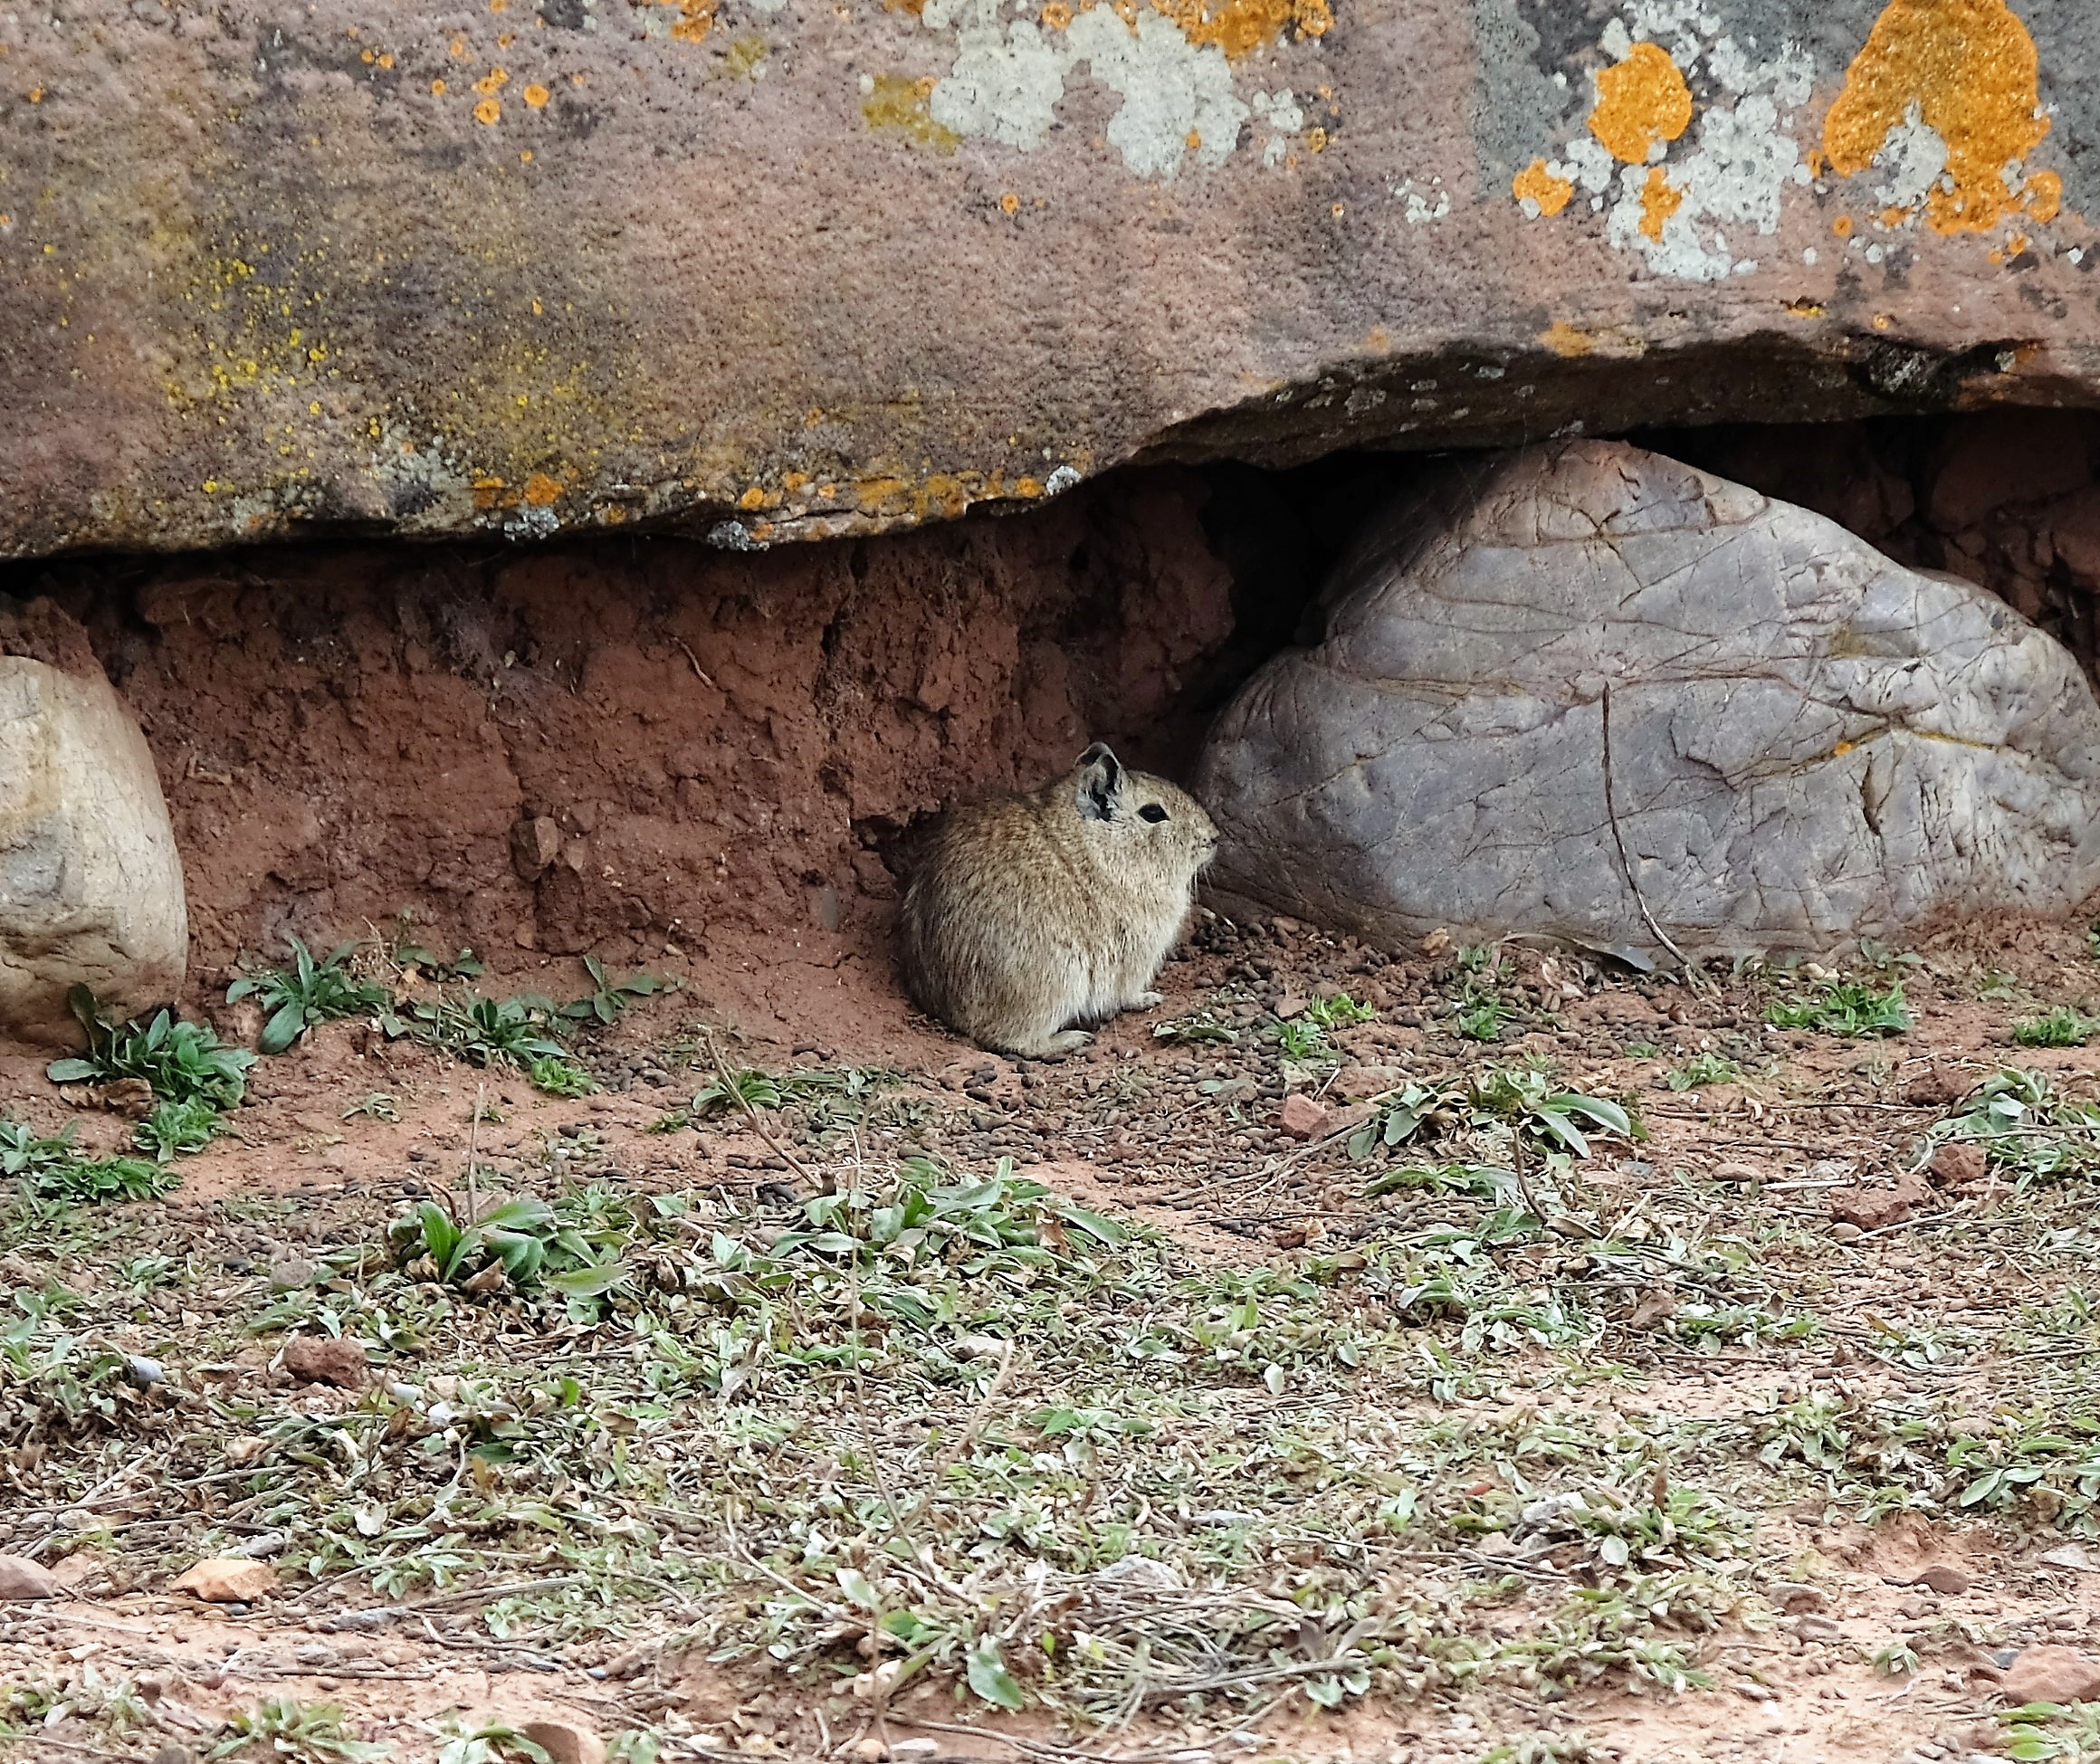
x=1151, y=812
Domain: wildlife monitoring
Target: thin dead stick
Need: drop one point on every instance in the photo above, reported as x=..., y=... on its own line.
x=736, y=1090
x=473, y=1154
x=1625, y=862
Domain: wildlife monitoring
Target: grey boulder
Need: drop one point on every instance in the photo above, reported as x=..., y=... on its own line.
x=1809, y=743
x=91, y=883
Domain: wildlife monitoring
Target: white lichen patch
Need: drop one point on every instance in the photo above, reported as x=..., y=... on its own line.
x=1283, y=117
x=1007, y=79
x=1178, y=97
x=1692, y=208
x=1424, y=205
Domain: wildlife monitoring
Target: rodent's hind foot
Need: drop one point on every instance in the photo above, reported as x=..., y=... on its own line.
x=1055, y=1047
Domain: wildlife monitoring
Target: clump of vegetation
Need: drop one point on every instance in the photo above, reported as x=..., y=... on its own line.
x=2062, y=1028
x=1478, y=1013
x=307, y=993
x=194, y=1079
x=55, y=1168
x=522, y=1242
x=1521, y=1098
x=283, y=1727
x=1848, y=1008
x=2025, y=1129
x=181, y=1062
x=1199, y=1030
x=609, y=998
x=1705, y=1068
x=1338, y=1012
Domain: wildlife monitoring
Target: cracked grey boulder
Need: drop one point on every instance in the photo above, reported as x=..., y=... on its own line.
x=1809, y=743
x=91, y=883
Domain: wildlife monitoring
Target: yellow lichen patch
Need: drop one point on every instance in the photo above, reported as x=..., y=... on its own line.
x=1239, y=26
x=492, y=82
x=1540, y=186
x=1659, y=200
x=540, y=490
x=488, y=110
x=489, y=494
x=1640, y=100
x=437, y=89
x=535, y=96
x=1968, y=69
x=1802, y=309
x=1564, y=339
x=898, y=102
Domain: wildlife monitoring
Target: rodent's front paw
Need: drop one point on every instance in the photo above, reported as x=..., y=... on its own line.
x=1145, y=1001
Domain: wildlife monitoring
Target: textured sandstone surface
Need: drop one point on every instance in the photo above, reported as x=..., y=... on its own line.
x=91, y=883
x=767, y=269
x=1808, y=742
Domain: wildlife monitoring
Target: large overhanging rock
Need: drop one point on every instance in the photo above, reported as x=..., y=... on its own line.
x=91, y=883
x=781, y=267
x=1592, y=694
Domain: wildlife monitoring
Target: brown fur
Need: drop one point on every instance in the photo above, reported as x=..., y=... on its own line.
x=1030, y=913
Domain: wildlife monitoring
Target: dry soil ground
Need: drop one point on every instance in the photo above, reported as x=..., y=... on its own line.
x=1301, y=1388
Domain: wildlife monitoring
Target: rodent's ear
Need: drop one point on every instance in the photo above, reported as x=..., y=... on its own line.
x=1101, y=778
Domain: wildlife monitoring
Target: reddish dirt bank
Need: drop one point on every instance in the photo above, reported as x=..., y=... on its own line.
x=626, y=746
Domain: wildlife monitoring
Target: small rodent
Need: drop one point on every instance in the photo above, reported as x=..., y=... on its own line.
x=1030, y=913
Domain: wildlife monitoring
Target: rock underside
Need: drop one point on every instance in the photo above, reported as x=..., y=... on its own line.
x=1590, y=694
x=767, y=269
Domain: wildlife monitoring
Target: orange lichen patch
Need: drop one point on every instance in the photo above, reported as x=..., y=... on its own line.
x=792, y=481
x=1882, y=321
x=1842, y=748
x=536, y=95
x=540, y=490
x=1564, y=339
x=1316, y=139
x=492, y=82
x=386, y=61
x=898, y=101
x=753, y=498
x=1057, y=15
x=437, y=89
x=1659, y=200
x=695, y=19
x=458, y=49
x=367, y=57
x=36, y=94
x=1639, y=102
x=914, y=7
x=1842, y=226
x=1239, y=26
x=525, y=156
x=1550, y=193
x=488, y=110
x=489, y=494
x=2044, y=197
x=1802, y=309
x=1192, y=141
x=1027, y=487
x=1970, y=69
x=1010, y=203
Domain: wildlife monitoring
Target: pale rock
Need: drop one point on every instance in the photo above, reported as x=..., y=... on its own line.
x=1810, y=743
x=91, y=883
x=227, y=1580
